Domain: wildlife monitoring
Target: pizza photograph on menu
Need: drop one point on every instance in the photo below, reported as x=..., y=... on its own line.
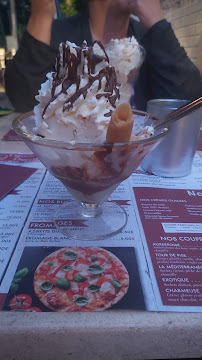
x=68, y=279
x=80, y=279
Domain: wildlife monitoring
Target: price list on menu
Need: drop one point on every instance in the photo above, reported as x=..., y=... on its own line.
x=171, y=219
x=15, y=205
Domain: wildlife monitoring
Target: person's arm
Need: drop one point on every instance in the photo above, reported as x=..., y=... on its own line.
x=40, y=21
x=34, y=58
x=167, y=71
x=171, y=73
x=149, y=12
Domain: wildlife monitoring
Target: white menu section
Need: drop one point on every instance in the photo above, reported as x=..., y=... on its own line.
x=190, y=228
x=15, y=207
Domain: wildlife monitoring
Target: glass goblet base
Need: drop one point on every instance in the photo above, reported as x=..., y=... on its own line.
x=88, y=221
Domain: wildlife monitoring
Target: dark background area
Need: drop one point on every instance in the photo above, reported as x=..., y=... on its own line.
x=23, y=10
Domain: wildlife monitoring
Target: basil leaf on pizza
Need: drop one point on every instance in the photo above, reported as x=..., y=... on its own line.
x=50, y=263
x=66, y=268
x=78, y=278
x=81, y=301
x=63, y=283
x=93, y=258
x=47, y=285
x=70, y=255
x=116, y=283
x=93, y=288
x=96, y=269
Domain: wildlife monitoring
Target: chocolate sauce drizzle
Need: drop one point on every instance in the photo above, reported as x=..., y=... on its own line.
x=71, y=63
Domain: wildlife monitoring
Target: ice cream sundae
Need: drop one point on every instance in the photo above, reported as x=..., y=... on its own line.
x=126, y=57
x=77, y=100
x=84, y=134
x=79, y=103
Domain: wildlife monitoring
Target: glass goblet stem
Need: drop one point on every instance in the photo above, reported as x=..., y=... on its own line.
x=90, y=210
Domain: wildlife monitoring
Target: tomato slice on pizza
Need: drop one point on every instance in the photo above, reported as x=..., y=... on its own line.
x=80, y=279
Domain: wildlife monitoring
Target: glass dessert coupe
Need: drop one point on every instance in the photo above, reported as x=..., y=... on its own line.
x=90, y=172
x=127, y=64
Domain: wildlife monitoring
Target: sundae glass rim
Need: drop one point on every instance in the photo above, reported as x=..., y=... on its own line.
x=38, y=140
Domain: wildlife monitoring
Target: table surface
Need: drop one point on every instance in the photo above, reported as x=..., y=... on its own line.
x=110, y=335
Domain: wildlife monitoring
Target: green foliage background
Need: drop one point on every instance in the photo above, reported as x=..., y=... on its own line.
x=68, y=10
x=23, y=10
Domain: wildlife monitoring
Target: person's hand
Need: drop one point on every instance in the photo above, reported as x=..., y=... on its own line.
x=41, y=18
x=148, y=11
x=43, y=8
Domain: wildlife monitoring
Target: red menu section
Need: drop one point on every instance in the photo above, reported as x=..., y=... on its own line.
x=2, y=300
x=199, y=144
x=11, y=176
x=18, y=158
x=172, y=223
x=11, y=136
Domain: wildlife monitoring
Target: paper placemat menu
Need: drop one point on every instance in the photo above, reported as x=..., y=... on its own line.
x=154, y=264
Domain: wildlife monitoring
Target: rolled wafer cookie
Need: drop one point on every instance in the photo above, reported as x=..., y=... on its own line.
x=120, y=125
